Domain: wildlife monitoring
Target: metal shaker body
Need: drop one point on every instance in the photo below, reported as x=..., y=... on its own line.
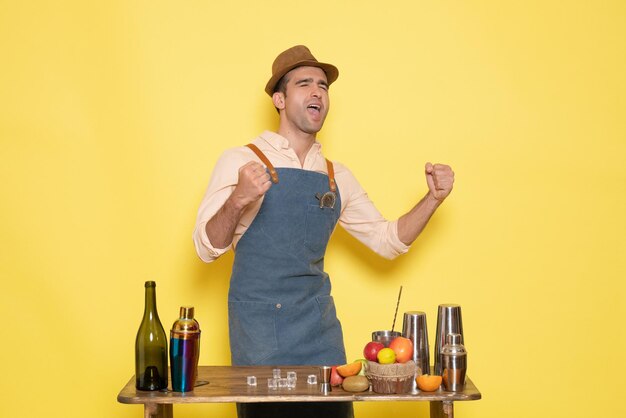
x=184, y=350
x=449, y=321
x=454, y=363
x=415, y=329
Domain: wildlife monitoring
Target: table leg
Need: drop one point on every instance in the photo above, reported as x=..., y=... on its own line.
x=441, y=409
x=157, y=410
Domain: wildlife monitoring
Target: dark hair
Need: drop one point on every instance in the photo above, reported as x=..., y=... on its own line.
x=281, y=86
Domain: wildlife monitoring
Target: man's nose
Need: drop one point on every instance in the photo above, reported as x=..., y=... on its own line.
x=316, y=91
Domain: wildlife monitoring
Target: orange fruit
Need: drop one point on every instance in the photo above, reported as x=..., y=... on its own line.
x=386, y=356
x=363, y=366
x=350, y=369
x=428, y=383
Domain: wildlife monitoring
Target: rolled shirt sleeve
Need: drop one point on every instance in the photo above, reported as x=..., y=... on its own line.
x=223, y=181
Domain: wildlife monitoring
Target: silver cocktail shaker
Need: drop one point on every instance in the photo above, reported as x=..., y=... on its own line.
x=414, y=328
x=454, y=363
x=448, y=322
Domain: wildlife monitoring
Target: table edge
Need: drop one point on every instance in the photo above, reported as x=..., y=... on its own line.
x=169, y=397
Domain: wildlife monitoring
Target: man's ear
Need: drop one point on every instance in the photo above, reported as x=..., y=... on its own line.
x=279, y=100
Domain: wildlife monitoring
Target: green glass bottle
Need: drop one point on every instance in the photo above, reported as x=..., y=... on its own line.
x=151, y=347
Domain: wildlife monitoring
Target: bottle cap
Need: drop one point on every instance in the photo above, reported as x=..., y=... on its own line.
x=186, y=312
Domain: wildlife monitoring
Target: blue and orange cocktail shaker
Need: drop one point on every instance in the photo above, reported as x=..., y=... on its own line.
x=184, y=350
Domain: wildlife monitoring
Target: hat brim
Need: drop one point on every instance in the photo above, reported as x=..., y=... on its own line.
x=331, y=73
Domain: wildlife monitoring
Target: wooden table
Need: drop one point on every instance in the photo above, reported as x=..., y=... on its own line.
x=218, y=384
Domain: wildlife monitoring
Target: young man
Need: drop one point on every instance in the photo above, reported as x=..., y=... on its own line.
x=276, y=203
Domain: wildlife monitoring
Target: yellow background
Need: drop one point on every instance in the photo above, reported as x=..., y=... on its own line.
x=113, y=113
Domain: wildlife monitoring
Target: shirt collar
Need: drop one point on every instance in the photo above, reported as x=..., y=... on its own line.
x=279, y=142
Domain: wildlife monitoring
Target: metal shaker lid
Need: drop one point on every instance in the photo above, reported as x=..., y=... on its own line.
x=453, y=346
x=186, y=312
x=185, y=326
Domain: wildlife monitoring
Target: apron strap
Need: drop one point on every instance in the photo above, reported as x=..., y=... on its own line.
x=331, y=176
x=270, y=167
x=274, y=174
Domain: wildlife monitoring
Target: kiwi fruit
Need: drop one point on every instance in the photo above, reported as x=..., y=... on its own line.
x=355, y=384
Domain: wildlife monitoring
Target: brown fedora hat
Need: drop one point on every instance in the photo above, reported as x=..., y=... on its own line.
x=297, y=56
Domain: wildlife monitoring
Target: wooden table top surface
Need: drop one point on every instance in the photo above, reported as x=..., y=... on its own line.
x=216, y=384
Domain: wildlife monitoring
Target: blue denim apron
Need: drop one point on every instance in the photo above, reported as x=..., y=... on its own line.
x=279, y=304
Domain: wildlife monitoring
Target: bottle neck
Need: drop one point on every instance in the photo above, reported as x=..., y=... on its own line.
x=150, y=311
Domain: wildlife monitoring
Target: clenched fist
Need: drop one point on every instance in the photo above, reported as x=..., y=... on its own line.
x=440, y=179
x=254, y=182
